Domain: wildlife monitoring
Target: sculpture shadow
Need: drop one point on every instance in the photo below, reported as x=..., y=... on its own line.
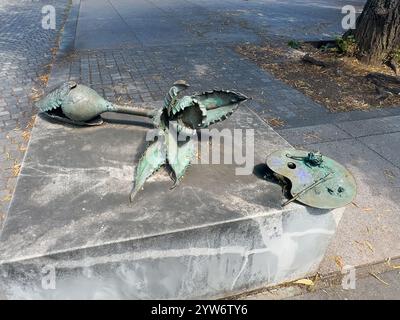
x=98, y=121
x=263, y=172
x=130, y=122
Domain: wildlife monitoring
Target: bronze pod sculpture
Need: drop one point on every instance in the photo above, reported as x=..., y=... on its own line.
x=80, y=105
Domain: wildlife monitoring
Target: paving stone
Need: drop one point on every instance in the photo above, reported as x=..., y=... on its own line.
x=387, y=145
x=313, y=134
x=371, y=126
x=369, y=231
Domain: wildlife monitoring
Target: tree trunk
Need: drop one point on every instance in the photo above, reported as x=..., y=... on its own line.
x=378, y=30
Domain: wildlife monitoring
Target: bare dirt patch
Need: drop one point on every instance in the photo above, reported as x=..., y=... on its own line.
x=337, y=81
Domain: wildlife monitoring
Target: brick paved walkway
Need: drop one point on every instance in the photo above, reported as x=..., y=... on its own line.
x=26, y=51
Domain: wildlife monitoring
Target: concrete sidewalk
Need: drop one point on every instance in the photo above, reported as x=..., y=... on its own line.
x=385, y=287
x=369, y=230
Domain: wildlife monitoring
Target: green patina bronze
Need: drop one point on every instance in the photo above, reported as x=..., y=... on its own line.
x=80, y=105
x=176, y=122
x=316, y=180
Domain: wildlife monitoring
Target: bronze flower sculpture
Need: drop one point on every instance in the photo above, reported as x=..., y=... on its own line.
x=177, y=121
x=80, y=105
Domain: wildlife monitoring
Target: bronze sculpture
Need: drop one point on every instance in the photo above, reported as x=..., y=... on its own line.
x=80, y=105
x=315, y=180
x=182, y=117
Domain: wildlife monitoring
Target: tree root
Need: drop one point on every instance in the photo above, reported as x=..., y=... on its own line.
x=307, y=58
x=385, y=85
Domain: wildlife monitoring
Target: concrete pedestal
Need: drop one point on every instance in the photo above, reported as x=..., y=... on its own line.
x=214, y=235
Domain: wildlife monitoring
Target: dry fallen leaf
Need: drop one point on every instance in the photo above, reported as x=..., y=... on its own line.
x=26, y=135
x=388, y=262
x=275, y=122
x=35, y=96
x=379, y=279
x=16, y=169
x=44, y=78
x=306, y=282
x=369, y=245
x=311, y=136
x=339, y=262
x=364, y=244
x=8, y=156
x=6, y=198
x=31, y=123
x=389, y=174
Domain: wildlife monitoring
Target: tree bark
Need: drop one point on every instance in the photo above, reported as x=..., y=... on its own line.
x=378, y=30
